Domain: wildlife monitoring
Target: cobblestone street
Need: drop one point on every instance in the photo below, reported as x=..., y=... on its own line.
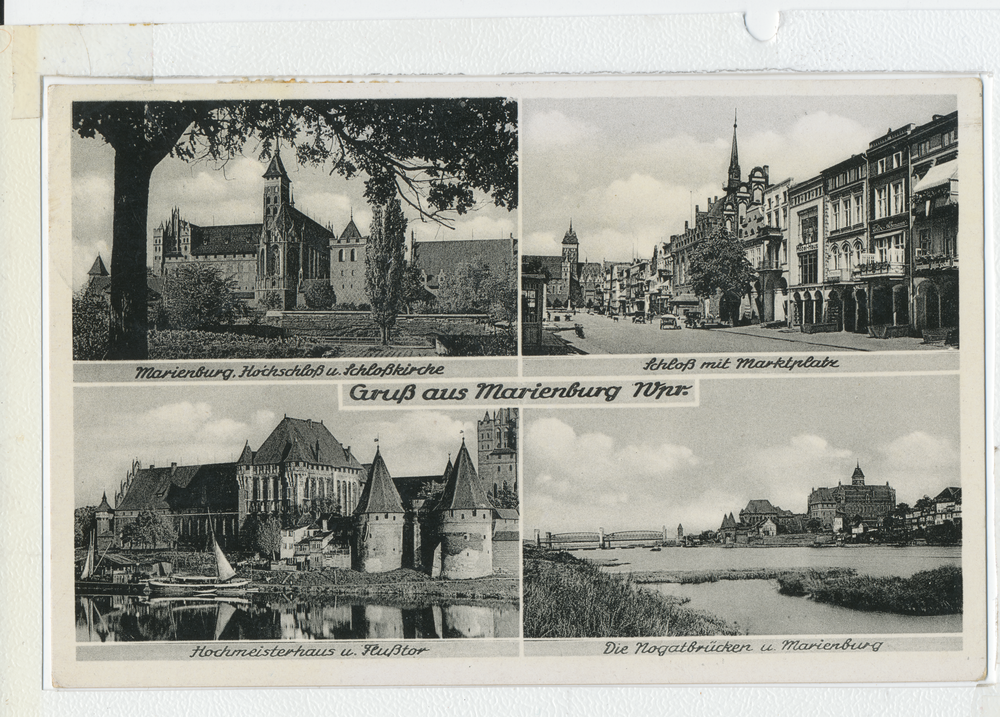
x=603, y=335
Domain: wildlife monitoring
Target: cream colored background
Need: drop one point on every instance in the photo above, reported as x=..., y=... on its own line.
x=830, y=41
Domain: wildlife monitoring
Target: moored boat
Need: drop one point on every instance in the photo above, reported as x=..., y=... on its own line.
x=203, y=584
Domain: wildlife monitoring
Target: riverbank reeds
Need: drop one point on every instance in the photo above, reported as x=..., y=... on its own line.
x=568, y=597
x=929, y=592
x=695, y=577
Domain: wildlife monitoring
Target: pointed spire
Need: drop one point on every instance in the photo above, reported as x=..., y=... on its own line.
x=463, y=491
x=734, y=163
x=380, y=494
x=276, y=168
x=98, y=269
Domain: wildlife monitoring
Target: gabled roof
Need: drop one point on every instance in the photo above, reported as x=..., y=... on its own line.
x=435, y=257
x=759, y=506
x=178, y=488
x=290, y=221
x=380, y=494
x=728, y=521
x=275, y=168
x=949, y=495
x=463, y=491
x=98, y=269
x=303, y=440
x=858, y=473
x=821, y=495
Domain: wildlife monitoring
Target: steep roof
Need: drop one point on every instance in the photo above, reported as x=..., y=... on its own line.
x=463, y=491
x=98, y=269
x=821, y=495
x=758, y=506
x=276, y=168
x=246, y=457
x=104, y=507
x=290, y=220
x=949, y=495
x=176, y=488
x=351, y=231
x=304, y=440
x=858, y=473
x=728, y=521
x=570, y=236
x=435, y=257
x=379, y=494
x=225, y=239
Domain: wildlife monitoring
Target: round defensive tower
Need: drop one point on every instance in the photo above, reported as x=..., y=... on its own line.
x=377, y=542
x=464, y=523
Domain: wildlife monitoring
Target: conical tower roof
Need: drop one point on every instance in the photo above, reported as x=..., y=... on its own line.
x=276, y=168
x=380, y=494
x=98, y=269
x=734, y=162
x=351, y=231
x=570, y=236
x=246, y=457
x=104, y=507
x=858, y=477
x=463, y=491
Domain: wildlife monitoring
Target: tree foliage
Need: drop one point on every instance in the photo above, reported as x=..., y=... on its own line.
x=267, y=536
x=320, y=296
x=150, y=529
x=200, y=296
x=91, y=320
x=384, y=265
x=719, y=264
x=479, y=288
x=84, y=521
x=434, y=154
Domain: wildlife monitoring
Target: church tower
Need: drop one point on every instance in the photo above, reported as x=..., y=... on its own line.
x=733, y=180
x=277, y=187
x=858, y=477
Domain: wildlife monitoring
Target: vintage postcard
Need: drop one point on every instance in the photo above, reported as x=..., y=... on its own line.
x=659, y=380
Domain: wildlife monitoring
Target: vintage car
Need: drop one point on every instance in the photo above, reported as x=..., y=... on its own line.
x=669, y=321
x=638, y=318
x=693, y=319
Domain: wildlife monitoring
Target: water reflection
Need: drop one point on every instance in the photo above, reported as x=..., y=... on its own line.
x=125, y=618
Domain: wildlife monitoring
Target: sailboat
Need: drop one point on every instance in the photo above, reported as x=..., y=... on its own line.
x=93, y=582
x=203, y=583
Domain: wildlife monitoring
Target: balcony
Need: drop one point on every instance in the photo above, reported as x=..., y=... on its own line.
x=768, y=265
x=880, y=269
x=936, y=262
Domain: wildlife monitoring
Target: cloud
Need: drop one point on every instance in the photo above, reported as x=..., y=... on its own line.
x=785, y=473
x=573, y=480
x=416, y=442
x=545, y=129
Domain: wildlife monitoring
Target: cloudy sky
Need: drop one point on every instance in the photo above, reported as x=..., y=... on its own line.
x=628, y=172
x=191, y=425
x=209, y=193
x=775, y=439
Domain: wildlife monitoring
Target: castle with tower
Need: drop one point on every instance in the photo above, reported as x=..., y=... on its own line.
x=275, y=261
x=444, y=524
x=570, y=281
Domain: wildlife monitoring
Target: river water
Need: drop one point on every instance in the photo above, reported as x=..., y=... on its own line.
x=127, y=618
x=758, y=608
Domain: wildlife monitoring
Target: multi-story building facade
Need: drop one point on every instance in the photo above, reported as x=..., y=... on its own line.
x=806, y=214
x=884, y=269
x=845, y=185
x=764, y=234
x=933, y=150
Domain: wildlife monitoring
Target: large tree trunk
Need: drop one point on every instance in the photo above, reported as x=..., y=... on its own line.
x=127, y=332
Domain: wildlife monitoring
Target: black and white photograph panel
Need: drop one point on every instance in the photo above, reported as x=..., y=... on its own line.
x=766, y=222
x=220, y=515
x=840, y=515
x=288, y=229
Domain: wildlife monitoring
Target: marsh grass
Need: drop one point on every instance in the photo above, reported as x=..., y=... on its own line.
x=929, y=592
x=568, y=597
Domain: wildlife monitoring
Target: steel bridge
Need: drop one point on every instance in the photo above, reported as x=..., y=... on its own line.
x=600, y=539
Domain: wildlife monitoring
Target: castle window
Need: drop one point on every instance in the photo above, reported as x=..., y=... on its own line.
x=340, y=255
x=354, y=255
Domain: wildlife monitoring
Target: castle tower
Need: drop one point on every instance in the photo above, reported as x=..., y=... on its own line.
x=858, y=477
x=377, y=541
x=497, y=447
x=464, y=522
x=570, y=256
x=103, y=515
x=98, y=269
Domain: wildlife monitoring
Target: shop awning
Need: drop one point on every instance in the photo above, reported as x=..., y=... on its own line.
x=937, y=175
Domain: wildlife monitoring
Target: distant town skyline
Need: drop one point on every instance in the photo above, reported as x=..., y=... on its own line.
x=193, y=425
x=628, y=172
x=774, y=440
x=210, y=193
